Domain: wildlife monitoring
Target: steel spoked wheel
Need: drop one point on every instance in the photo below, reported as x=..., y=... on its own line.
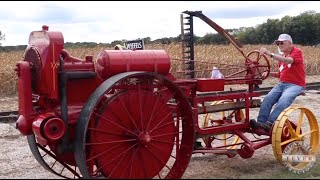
x=50, y=162
x=295, y=124
x=259, y=65
x=144, y=129
x=219, y=118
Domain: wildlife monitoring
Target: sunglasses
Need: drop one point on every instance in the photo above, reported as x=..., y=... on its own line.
x=279, y=43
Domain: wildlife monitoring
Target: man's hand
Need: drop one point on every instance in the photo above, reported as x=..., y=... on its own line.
x=264, y=51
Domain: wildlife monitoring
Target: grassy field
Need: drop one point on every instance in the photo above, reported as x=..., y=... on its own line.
x=225, y=57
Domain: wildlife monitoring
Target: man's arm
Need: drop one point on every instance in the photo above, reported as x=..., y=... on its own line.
x=287, y=60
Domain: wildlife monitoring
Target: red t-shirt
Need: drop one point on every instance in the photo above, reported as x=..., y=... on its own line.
x=293, y=73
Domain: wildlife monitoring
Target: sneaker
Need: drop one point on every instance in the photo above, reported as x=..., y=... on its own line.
x=253, y=124
x=265, y=126
x=260, y=132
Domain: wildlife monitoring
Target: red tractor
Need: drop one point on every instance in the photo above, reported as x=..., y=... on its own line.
x=125, y=115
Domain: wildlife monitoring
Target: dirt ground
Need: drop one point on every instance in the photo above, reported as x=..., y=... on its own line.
x=17, y=162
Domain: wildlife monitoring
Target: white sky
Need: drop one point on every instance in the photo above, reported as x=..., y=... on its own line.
x=106, y=21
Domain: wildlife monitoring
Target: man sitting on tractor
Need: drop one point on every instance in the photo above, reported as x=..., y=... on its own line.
x=292, y=83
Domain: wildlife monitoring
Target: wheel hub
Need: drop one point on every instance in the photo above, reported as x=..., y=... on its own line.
x=144, y=139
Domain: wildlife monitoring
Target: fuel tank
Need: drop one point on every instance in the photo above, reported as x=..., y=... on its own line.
x=111, y=62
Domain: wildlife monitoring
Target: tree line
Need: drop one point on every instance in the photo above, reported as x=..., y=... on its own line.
x=2, y=37
x=304, y=29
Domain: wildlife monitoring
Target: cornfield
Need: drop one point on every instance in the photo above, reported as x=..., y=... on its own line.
x=224, y=57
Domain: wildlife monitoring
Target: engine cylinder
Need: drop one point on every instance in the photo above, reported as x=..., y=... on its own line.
x=111, y=62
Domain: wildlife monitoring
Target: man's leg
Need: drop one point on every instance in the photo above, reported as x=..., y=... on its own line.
x=290, y=92
x=270, y=99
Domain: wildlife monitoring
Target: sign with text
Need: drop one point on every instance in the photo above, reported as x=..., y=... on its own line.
x=135, y=44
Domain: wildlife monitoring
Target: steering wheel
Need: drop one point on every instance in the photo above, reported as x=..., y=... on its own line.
x=259, y=66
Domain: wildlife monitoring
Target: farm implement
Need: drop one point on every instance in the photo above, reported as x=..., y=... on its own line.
x=126, y=115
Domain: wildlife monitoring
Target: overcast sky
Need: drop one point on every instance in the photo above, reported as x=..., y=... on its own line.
x=106, y=21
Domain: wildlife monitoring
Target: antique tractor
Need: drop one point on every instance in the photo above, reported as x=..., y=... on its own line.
x=124, y=115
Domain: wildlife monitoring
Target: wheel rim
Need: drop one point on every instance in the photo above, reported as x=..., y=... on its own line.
x=135, y=140
x=48, y=160
x=228, y=140
x=288, y=128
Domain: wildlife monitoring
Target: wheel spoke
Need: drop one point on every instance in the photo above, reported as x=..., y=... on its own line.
x=260, y=74
x=104, y=131
x=162, y=125
x=48, y=159
x=110, y=121
x=140, y=107
x=162, y=135
x=128, y=113
x=157, y=158
x=299, y=122
x=152, y=112
x=52, y=155
x=109, y=142
x=292, y=132
x=288, y=141
x=114, y=158
x=102, y=153
x=307, y=133
x=161, y=121
x=121, y=160
x=130, y=163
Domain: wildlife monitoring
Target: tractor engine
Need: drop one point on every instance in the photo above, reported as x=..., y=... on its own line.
x=53, y=86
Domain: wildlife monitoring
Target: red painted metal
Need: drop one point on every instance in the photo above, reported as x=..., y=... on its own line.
x=37, y=128
x=136, y=128
x=285, y=133
x=46, y=128
x=49, y=45
x=54, y=129
x=246, y=151
x=145, y=136
x=111, y=62
x=126, y=105
x=75, y=64
x=205, y=84
x=24, y=122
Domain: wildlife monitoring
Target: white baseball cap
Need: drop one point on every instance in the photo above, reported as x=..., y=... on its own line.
x=284, y=37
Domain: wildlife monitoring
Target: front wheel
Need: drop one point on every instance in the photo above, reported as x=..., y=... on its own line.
x=295, y=124
x=50, y=161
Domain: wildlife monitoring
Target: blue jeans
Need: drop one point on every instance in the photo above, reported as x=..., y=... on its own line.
x=283, y=94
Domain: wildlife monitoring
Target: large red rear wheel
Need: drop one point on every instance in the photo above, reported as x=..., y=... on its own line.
x=135, y=125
